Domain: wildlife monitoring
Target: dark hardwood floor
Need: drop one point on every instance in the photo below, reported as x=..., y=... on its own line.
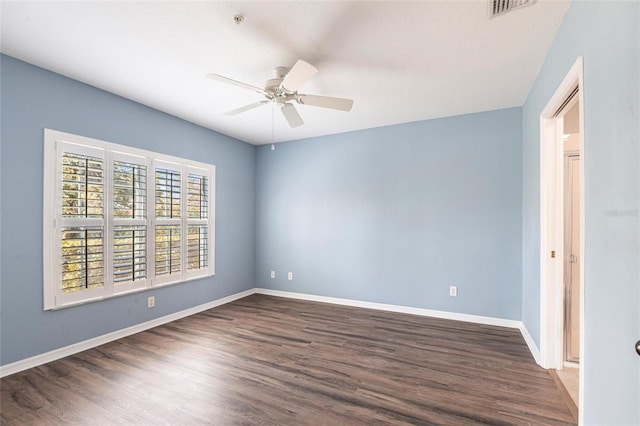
x=274, y=361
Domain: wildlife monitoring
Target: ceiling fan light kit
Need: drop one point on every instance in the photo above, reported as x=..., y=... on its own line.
x=282, y=90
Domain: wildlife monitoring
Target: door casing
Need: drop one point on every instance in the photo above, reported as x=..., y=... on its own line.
x=552, y=227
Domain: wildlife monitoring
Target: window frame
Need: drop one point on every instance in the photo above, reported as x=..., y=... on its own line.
x=55, y=143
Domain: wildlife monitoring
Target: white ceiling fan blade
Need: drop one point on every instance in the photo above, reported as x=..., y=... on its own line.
x=326, y=102
x=246, y=108
x=292, y=116
x=237, y=83
x=298, y=75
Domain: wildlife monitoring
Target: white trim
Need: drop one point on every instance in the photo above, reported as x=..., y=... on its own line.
x=49, y=222
x=44, y=358
x=552, y=297
x=533, y=348
x=55, y=354
x=583, y=355
x=79, y=140
x=394, y=308
x=551, y=239
x=551, y=220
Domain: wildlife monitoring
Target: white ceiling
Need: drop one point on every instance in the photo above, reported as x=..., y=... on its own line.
x=400, y=61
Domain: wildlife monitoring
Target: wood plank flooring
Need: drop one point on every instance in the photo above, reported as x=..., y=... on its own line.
x=264, y=360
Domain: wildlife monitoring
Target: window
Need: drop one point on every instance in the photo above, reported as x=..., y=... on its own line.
x=119, y=219
x=197, y=220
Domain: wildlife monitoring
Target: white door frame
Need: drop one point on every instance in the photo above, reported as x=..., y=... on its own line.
x=552, y=225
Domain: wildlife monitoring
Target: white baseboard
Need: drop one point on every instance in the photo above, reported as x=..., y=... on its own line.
x=44, y=358
x=395, y=308
x=55, y=354
x=531, y=344
x=533, y=348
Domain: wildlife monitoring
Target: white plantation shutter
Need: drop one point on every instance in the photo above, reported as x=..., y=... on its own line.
x=197, y=221
x=168, y=206
x=129, y=187
x=129, y=240
x=197, y=194
x=82, y=258
x=168, y=189
x=79, y=216
x=118, y=219
x=82, y=182
x=197, y=247
x=129, y=254
x=168, y=251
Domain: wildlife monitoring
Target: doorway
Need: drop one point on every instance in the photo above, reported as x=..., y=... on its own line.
x=569, y=372
x=572, y=243
x=562, y=233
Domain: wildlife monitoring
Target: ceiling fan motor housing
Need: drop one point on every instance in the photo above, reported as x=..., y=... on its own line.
x=272, y=85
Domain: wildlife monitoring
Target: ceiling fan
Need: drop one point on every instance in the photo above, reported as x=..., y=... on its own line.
x=283, y=91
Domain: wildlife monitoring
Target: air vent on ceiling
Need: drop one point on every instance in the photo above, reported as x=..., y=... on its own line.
x=500, y=7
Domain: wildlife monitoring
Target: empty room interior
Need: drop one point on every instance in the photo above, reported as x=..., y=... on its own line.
x=320, y=212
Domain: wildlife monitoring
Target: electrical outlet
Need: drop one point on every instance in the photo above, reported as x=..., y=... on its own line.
x=290, y=276
x=273, y=274
x=151, y=302
x=453, y=291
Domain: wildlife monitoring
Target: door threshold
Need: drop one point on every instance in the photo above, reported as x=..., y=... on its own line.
x=573, y=408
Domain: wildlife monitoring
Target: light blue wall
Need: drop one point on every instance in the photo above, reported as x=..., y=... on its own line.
x=33, y=99
x=392, y=215
x=397, y=214
x=607, y=34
